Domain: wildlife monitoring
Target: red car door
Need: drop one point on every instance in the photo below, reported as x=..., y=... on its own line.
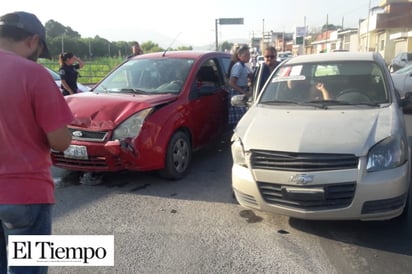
x=208, y=104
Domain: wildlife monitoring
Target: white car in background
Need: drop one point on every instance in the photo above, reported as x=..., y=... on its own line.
x=282, y=56
x=57, y=79
x=260, y=59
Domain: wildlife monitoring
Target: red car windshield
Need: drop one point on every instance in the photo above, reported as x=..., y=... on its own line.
x=148, y=76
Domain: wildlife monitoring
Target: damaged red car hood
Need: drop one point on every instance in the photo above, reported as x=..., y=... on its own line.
x=104, y=111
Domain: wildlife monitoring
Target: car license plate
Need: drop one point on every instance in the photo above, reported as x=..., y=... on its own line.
x=76, y=152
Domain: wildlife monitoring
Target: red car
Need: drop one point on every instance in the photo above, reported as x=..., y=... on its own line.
x=149, y=113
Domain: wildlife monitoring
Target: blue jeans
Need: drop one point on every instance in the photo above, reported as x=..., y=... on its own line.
x=23, y=220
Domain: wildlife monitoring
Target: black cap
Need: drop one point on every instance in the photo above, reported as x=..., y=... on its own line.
x=29, y=23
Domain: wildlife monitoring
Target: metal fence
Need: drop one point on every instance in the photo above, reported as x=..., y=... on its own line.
x=92, y=71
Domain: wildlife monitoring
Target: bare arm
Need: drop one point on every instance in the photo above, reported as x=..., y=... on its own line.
x=325, y=92
x=59, y=139
x=233, y=84
x=79, y=61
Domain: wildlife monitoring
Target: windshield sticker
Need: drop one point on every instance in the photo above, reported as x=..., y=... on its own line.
x=296, y=70
x=282, y=79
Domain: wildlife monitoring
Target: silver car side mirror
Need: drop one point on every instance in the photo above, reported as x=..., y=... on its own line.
x=239, y=100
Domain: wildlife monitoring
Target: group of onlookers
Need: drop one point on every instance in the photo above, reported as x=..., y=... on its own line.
x=241, y=76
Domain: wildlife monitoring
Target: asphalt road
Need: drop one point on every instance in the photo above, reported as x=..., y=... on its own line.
x=195, y=226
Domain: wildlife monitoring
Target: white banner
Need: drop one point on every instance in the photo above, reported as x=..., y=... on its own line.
x=61, y=250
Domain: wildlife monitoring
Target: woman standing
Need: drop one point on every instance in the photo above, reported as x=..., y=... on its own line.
x=240, y=75
x=69, y=64
x=136, y=49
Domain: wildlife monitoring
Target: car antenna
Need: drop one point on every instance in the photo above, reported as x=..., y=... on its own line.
x=164, y=53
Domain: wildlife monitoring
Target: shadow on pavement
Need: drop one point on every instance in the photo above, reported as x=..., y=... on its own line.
x=209, y=180
x=391, y=236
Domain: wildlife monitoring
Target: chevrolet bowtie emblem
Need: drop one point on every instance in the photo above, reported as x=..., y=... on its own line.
x=301, y=179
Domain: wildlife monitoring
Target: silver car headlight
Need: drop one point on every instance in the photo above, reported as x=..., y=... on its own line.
x=387, y=154
x=131, y=127
x=238, y=153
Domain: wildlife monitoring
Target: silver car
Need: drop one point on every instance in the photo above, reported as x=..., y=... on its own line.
x=403, y=80
x=326, y=140
x=400, y=60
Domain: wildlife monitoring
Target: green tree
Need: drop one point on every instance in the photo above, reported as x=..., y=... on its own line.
x=150, y=46
x=102, y=47
x=71, y=33
x=329, y=27
x=61, y=37
x=123, y=48
x=185, y=48
x=55, y=29
x=226, y=46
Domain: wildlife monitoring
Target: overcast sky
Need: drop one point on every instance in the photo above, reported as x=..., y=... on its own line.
x=192, y=22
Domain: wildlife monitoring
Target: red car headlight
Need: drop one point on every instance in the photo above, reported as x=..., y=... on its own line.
x=131, y=127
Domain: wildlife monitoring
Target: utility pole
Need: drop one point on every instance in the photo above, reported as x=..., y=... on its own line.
x=304, y=35
x=327, y=32
x=263, y=30
x=62, y=43
x=64, y=32
x=217, y=43
x=90, y=49
x=367, y=27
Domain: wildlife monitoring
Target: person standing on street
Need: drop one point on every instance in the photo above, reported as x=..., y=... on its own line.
x=240, y=76
x=270, y=56
x=136, y=49
x=69, y=64
x=33, y=119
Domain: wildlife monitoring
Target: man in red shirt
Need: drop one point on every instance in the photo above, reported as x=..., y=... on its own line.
x=33, y=119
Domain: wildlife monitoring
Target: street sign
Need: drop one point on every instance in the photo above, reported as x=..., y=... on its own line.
x=301, y=31
x=299, y=40
x=226, y=21
x=231, y=21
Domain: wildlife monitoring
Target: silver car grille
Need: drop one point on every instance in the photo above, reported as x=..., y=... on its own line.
x=290, y=161
x=335, y=196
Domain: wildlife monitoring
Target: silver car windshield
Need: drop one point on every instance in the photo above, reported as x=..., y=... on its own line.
x=406, y=69
x=148, y=76
x=332, y=83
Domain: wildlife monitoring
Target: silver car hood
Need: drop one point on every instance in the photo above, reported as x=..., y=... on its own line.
x=351, y=131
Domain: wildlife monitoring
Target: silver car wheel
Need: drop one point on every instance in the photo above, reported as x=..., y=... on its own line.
x=180, y=155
